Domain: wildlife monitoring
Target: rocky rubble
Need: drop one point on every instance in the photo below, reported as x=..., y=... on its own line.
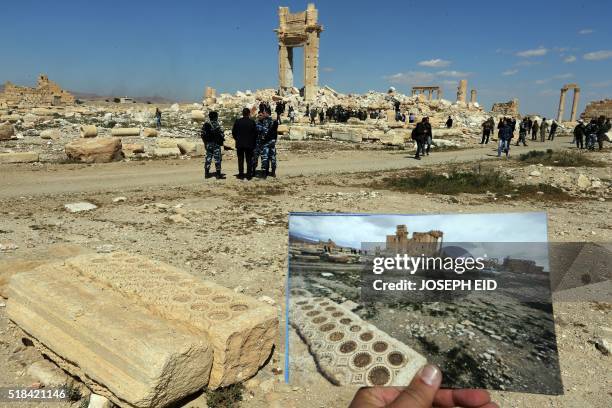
x=47, y=130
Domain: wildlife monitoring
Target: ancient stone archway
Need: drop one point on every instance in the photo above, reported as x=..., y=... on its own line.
x=574, y=101
x=299, y=30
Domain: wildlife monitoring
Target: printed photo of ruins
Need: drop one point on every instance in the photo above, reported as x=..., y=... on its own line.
x=500, y=340
x=155, y=157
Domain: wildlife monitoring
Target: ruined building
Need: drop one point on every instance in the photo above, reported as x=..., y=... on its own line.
x=462, y=91
x=576, y=98
x=596, y=109
x=46, y=93
x=510, y=108
x=299, y=30
x=427, y=91
x=428, y=243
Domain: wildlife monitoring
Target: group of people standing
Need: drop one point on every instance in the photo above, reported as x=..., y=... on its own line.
x=423, y=138
x=506, y=128
x=254, y=140
x=586, y=136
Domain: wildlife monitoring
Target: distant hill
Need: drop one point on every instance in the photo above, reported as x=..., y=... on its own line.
x=88, y=96
x=142, y=99
x=297, y=237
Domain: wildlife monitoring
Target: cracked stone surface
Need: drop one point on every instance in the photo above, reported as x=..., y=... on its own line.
x=348, y=350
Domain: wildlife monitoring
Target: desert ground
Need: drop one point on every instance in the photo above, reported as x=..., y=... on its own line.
x=234, y=233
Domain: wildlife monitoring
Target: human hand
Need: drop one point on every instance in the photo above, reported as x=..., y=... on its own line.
x=423, y=392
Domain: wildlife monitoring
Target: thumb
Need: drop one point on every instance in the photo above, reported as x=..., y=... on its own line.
x=421, y=391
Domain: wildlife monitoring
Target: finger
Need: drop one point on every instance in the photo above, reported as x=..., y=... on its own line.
x=463, y=398
x=421, y=391
x=375, y=397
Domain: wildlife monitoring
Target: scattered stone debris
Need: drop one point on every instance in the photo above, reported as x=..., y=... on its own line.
x=110, y=302
x=47, y=373
x=9, y=246
x=98, y=401
x=603, y=345
x=79, y=207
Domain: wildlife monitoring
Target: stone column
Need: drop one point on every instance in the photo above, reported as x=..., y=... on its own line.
x=439, y=93
x=462, y=91
x=311, y=65
x=575, y=103
x=285, y=67
x=473, y=96
x=561, y=105
x=429, y=94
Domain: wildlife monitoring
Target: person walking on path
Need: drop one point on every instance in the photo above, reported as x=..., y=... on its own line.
x=579, y=133
x=505, y=136
x=534, y=130
x=158, y=118
x=420, y=134
x=523, y=127
x=553, y=130
x=487, y=128
x=543, y=130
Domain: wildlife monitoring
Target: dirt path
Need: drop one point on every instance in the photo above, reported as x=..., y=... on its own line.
x=50, y=179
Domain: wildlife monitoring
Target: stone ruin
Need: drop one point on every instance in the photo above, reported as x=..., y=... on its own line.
x=596, y=109
x=299, y=30
x=510, y=108
x=422, y=242
x=348, y=350
x=139, y=332
x=462, y=91
x=46, y=93
x=210, y=96
x=575, y=99
x=427, y=91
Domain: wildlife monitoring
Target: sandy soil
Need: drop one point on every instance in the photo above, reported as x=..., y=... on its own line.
x=235, y=234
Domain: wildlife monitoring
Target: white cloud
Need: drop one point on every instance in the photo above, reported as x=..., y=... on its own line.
x=526, y=63
x=435, y=63
x=598, y=55
x=585, y=31
x=510, y=72
x=411, y=78
x=569, y=59
x=602, y=84
x=453, y=74
x=425, y=78
x=541, y=81
x=563, y=76
x=354, y=229
x=450, y=83
x=548, y=92
x=537, y=52
x=328, y=69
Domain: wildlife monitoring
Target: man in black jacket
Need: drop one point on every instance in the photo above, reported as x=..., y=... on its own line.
x=213, y=138
x=421, y=134
x=579, y=133
x=245, y=135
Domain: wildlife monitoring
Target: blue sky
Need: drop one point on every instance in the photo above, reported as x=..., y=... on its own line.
x=352, y=230
x=480, y=233
x=175, y=49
